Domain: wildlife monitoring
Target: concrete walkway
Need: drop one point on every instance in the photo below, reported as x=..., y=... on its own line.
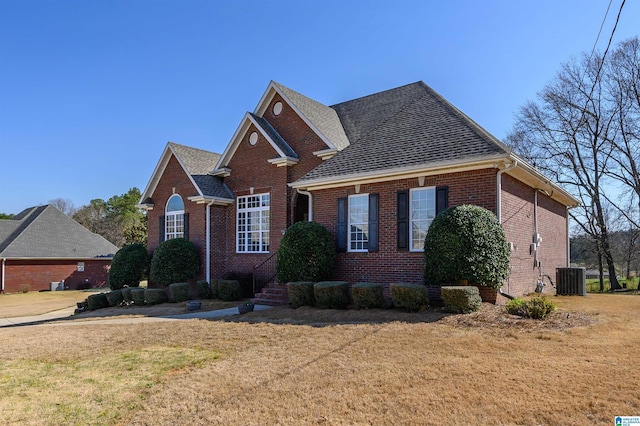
x=51, y=318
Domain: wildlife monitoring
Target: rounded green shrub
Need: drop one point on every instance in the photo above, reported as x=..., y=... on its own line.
x=154, y=296
x=300, y=293
x=179, y=292
x=229, y=290
x=137, y=295
x=126, y=295
x=331, y=294
x=410, y=297
x=307, y=253
x=115, y=298
x=213, y=288
x=203, y=290
x=466, y=243
x=536, y=308
x=129, y=266
x=368, y=295
x=97, y=301
x=461, y=299
x=175, y=260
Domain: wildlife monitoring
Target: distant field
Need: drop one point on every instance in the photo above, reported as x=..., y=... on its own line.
x=308, y=366
x=593, y=285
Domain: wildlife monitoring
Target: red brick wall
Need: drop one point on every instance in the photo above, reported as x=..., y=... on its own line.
x=38, y=274
x=518, y=223
x=175, y=177
x=390, y=264
x=250, y=169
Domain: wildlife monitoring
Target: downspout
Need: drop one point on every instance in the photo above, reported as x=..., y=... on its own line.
x=2, y=280
x=568, y=239
x=499, y=189
x=308, y=194
x=499, y=210
x=208, y=244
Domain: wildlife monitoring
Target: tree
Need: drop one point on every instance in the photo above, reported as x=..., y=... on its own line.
x=65, y=205
x=118, y=219
x=622, y=79
x=6, y=216
x=568, y=134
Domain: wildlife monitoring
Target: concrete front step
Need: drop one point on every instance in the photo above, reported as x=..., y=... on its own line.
x=272, y=296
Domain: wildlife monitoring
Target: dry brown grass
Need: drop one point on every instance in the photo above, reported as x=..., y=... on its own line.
x=488, y=368
x=36, y=303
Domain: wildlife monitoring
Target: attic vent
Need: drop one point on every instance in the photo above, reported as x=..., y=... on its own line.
x=277, y=108
x=253, y=138
x=571, y=281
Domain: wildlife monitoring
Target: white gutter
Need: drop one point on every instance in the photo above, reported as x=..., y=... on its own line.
x=308, y=194
x=499, y=189
x=208, y=243
x=2, y=281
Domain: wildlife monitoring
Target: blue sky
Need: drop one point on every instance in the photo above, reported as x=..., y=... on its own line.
x=91, y=91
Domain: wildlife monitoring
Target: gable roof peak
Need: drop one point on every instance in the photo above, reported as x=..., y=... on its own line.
x=321, y=118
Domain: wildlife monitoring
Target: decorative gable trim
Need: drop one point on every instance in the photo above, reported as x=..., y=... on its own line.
x=221, y=168
x=266, y=99
x=159, y=171
x=216, y=201
x=326, y=154
x=283, y=161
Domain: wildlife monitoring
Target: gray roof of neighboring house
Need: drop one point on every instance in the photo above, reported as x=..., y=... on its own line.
x=45, y=232
x=275, y=136
x=199, y=164
x=324, y=118
x=407, y=126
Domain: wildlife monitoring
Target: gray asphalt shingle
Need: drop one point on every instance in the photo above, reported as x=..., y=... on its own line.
x=45, y=232
x=408, y=126
x=199, y=163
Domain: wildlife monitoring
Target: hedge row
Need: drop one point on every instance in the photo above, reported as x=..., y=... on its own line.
x=227, y=290
x=336, y=295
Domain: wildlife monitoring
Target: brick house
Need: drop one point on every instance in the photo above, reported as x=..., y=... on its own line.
x=41, y=245
x=374, y=171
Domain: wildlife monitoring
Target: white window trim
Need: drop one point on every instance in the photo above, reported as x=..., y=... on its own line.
x=174, y=214
x=349, y=249
x=411, y=192
x=246, y=232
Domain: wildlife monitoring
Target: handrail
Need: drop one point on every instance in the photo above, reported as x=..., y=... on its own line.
x=268, y=268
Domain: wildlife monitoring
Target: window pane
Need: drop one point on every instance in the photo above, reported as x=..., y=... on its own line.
x=423, y=210
x=252, y=223
x=175, y=204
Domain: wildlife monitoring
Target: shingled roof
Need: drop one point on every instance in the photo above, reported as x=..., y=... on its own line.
x=407, y=126
x=44, y=232
x=199, y=163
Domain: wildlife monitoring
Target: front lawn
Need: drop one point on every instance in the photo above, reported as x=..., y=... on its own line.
x=482, y=368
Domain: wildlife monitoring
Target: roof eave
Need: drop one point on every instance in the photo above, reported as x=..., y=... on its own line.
x=399, y=173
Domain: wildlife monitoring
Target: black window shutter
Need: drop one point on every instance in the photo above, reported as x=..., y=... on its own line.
x=161, y=229
x=442, y=198
x=373, y=222
x=186, y=226
x=341, y=230
x=403, y=220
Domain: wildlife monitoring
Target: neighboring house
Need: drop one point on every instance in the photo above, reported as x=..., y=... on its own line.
x=374, y=171
x=42, y=245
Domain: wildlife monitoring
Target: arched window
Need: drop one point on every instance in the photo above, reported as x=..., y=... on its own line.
x=174, y=218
